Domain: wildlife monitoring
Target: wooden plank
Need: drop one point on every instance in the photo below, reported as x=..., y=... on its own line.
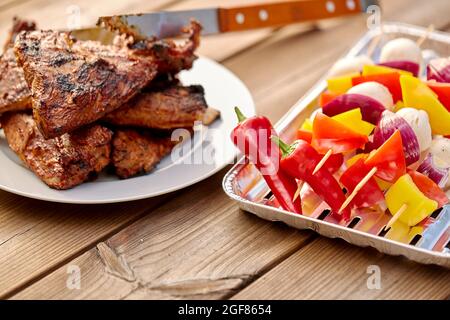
x=333, y=269
x=35, y=235
x=208, y=251
x=26, y=232
x=203, y=257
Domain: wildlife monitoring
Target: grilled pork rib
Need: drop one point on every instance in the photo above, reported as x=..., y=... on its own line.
x=14, y=92
x=75, y=83
x=135, y=152
x=173, y=107
x=18, y=26
x=63, y=162
x=169, y=56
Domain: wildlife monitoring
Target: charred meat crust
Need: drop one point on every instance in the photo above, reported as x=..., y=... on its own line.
x=171, y=108
x=63, y=162
x=137, y=152
x=14, y=92
x=75, y=83
x=168, y=55
x=18, y=26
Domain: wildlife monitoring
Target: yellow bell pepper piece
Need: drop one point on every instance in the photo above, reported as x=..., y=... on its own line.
x=404, y=191
x=417, y=94
x=399, y=105
x=371, y=70
x=307, y=125
x=341, y=85
x=355, y=158
x=399, y=232
x=414, y=232
x=353, y=120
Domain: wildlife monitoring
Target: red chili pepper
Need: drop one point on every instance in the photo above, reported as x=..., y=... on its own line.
x=389, y=159
x=329, y=134
x=299, y=161
x=252, y=137
x=389, y=80
x=429, y=188
x=370, y=194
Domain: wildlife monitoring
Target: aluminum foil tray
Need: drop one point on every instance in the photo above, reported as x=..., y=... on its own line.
x=426, y=243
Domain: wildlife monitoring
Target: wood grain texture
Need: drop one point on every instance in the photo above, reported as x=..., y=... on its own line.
x=333, y=269
x=208, y=251
x=199, y=245
x=35, y=236
x=45, y=226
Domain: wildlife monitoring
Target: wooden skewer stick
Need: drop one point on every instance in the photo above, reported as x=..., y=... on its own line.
x=358, y=188
x=425, y=36
x=396, y=216
x=297, y=193
x=322, y=162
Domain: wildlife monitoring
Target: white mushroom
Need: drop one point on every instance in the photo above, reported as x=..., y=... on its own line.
x=440, y=150
x=376, y=91
x=401, y=49
x=420, y=123
x=349, y=65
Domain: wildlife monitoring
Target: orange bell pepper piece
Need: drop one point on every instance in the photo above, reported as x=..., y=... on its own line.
x=331, y=134
x=389, y=159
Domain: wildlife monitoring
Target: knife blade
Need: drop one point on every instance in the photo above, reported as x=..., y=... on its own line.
x=166, y=24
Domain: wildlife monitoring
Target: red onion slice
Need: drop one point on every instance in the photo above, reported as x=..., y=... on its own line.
x=439, y=70
x=438, y=175
x=403, y=65
x=389, y=123
x=371, y=109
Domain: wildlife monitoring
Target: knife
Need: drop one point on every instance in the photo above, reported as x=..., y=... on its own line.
x=166, y=24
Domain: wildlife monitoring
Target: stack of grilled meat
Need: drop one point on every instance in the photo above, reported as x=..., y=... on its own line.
x=69, y=109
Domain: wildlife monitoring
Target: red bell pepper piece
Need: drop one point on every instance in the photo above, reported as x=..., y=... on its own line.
x=443, y=92
x=334, y=162
x=252, y=137
x=429, y=188
x=299, y=161
x=331, y=134
x=389, y=159
x=327, y=97
x=370, y=194
x=389, y=80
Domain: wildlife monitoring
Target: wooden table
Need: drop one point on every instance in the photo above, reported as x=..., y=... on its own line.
x=196, y=243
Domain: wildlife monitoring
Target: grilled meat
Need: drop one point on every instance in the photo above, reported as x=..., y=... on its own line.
x=19, y=25
x=135, y=152
x=169, y=56
x=174, y=107
x=14, y=92
x=75, y=83
x=63, y=162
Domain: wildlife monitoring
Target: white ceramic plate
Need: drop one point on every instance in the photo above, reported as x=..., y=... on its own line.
x=208, y=151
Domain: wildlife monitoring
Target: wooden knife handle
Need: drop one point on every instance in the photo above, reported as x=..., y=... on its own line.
x=283, y=13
